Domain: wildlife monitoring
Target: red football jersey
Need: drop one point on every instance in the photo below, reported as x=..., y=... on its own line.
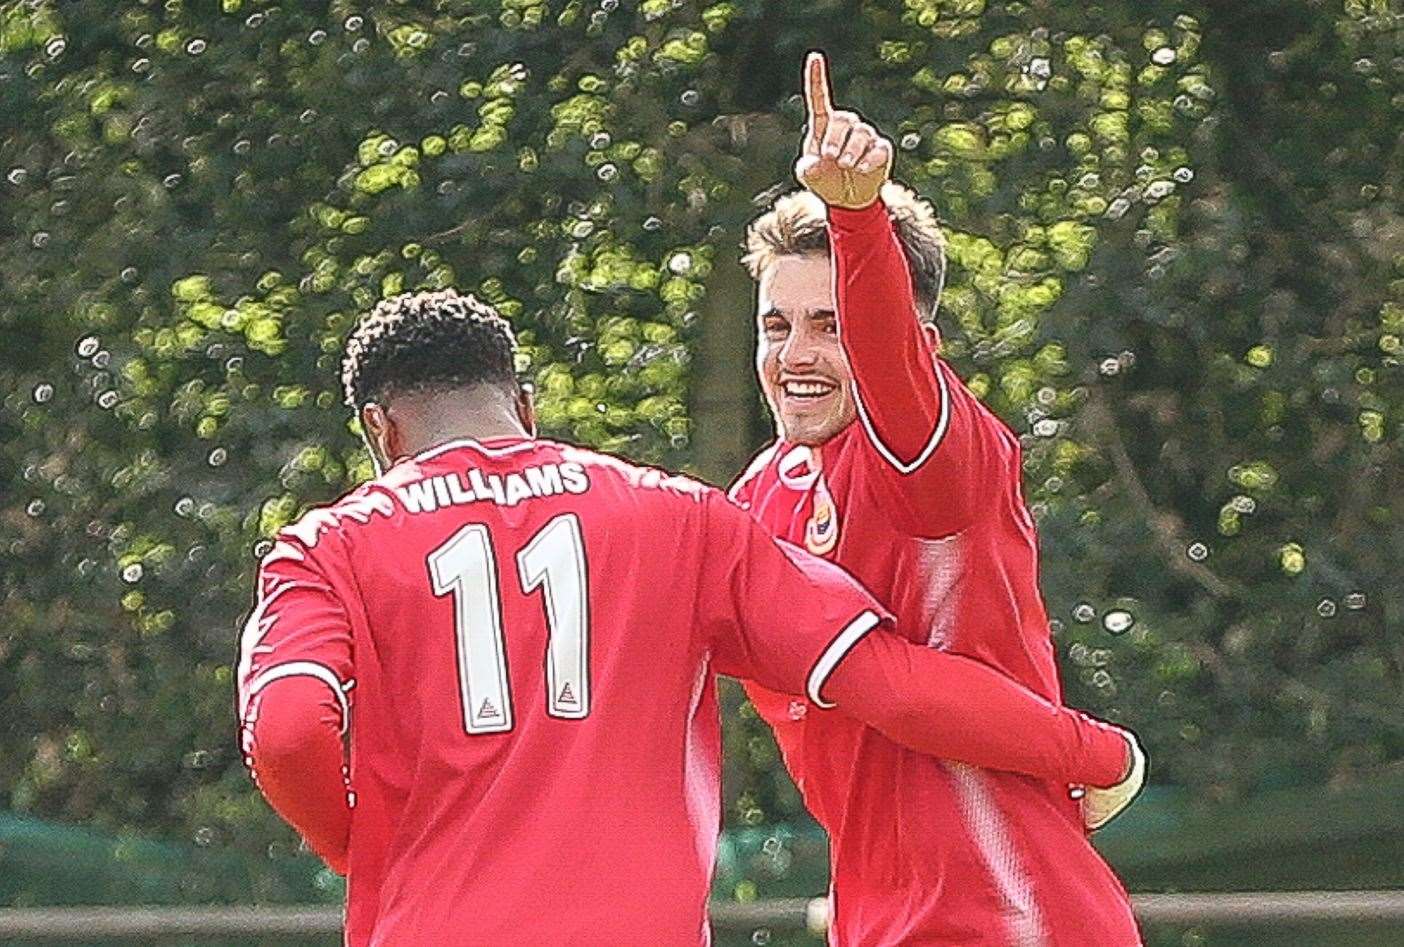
x=920, y=499
x=524, y=637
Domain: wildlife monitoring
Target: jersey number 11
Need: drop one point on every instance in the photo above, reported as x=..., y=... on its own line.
x=554, y=561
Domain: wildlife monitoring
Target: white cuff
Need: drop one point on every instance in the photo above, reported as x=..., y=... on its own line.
x=836, y=651
x=304, y=669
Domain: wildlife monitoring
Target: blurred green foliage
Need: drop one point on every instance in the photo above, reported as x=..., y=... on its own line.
x=1177, y=268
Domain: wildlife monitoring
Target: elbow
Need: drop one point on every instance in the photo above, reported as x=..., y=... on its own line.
x=286, y=723
x=280, y=742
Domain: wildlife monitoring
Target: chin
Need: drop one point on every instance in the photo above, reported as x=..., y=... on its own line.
x=809, y=433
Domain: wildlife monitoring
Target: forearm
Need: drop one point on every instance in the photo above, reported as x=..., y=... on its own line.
x=958, y=709
x=881, y=333
x=292, y=742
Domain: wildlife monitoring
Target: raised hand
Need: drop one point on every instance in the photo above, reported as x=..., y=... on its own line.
x=844, y=160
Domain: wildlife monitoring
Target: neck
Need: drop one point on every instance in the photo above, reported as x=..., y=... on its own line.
x=434, y=436
x=433, y=419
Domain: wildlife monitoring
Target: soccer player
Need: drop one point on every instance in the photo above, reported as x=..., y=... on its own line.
x=888, y=465
x=519, y=638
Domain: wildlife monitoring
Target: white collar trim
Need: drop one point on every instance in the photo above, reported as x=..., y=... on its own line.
x=525, y=444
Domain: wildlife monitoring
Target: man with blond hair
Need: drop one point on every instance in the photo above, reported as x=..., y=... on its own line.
x=886, y=464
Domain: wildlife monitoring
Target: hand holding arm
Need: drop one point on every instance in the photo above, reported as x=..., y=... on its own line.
x=798, y=625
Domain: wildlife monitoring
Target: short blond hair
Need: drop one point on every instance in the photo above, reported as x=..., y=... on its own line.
x=796, y=224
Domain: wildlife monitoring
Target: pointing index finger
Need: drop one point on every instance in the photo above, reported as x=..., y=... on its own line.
x=816, y=95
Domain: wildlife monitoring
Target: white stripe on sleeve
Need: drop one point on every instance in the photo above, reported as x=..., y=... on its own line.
x=942, y=422
x=836, y=651
x=305, y=669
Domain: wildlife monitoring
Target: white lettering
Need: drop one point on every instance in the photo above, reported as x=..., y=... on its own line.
x=545, y=481
x=440, y=489
x=480, y=487
x=576, y=480
x=460, y=493
x=517, y=489
x=418, y=497
x=473, y=486
x=495, y=482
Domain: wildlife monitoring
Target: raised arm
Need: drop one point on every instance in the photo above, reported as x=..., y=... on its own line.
x=846, y=162
x=936, y=443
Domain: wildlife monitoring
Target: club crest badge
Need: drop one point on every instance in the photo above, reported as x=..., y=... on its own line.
x=821, y=532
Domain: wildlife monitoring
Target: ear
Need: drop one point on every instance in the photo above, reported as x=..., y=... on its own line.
x=932, y=336
x=382, y=435
x=526, y=409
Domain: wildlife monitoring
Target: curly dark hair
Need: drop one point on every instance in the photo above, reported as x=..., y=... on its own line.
x=797, y=224
x=427, y=340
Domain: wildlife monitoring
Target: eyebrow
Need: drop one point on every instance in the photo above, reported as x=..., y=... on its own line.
x=813, y=314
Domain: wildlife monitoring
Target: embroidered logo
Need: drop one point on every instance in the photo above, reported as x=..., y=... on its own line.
x=821, y=532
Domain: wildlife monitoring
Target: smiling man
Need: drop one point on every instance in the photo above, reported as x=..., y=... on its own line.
x=889, y=466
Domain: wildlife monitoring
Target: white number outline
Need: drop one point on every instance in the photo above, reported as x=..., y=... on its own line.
x=449, y=574
x=566, y=598
x=554, y=561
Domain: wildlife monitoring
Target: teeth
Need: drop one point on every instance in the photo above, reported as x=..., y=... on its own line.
x=807, y=388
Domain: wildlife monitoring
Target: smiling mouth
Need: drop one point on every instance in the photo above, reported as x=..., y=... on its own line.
x=807, y=391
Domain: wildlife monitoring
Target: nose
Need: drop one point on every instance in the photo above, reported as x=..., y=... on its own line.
x=799, y=351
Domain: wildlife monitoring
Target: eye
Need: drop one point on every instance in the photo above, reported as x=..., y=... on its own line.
x=775, y=327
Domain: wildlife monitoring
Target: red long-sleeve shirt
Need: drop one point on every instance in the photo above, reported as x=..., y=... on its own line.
x=920, y=499
x=523, y=638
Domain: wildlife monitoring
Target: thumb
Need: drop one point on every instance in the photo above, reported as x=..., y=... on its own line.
x=806, y=168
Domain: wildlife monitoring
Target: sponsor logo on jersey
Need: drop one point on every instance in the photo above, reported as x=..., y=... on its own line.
x=821, y=532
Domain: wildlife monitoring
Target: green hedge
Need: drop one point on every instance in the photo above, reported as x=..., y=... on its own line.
x=1175, y=270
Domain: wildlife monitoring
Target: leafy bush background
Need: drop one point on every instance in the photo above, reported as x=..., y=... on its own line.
x=1177, y=268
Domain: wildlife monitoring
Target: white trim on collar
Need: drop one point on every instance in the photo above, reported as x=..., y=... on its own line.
x=795, y=457
x=526, y=443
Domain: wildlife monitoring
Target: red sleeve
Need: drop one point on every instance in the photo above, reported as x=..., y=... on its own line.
x=294, y=679
x=292, y=746
x=299, y=624
x=773, y=613
x=958, y=709
x=776, y=709
x=929, y=434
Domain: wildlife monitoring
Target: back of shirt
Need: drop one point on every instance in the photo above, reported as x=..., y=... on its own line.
x=526, y=634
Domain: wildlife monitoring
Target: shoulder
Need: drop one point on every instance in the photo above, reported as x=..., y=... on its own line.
x=645, y=480
x=325, y=531
x=743, y=486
